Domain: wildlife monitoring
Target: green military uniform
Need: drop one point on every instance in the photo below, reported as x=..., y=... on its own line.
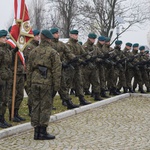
x=33, y=44
x=5, y=79
x=43, y=77
x=75, y=74
x=90, y=71
x=65, y=56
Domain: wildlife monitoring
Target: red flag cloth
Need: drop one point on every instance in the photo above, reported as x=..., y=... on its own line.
x=19, y=53
x=21, y=31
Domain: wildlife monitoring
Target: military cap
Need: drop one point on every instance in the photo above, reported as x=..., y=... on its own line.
x=107, y=39
x=36, y=32
x=101, y=38
x=129, y=44
x=47, y=34
x=3, y=33
x=118, y=42
x=92, y=35
x=9, y=29
x=80, y=42
x=54, y=30
x=135, y=45
x=147, y=51
x=142, y=48
x=74, y=32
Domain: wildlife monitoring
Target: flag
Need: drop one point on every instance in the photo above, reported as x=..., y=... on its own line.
x=20, y=54
x=21, y=31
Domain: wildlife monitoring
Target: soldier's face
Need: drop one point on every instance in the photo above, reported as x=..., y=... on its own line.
x=92, y=40
x=102, y=42
x=74, y=36
x=37, y=37
x=3, y=39
x=56, y=35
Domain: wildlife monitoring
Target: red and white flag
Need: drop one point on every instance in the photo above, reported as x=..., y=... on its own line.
x=21, y=31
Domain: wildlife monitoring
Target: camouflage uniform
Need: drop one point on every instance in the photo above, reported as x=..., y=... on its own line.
x=75, y=74
x=33, y=44
x=90, y=71
x=5, y=79
x=43, y=76
x=65, y=56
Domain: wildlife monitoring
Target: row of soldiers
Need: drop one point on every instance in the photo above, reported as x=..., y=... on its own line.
x=97, y=65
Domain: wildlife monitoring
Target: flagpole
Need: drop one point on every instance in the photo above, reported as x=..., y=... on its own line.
x=14, y=86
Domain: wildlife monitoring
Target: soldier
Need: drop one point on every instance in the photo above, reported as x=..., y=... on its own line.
x=43, y=77
x=65, y=55
x=90, y=71
x=119, y=67
x=33, y=44
x=5, y=77
x=101, y=67
x=75, y=74
x=143, y=68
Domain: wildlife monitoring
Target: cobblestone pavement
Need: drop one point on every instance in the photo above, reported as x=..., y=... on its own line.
x=121, y=125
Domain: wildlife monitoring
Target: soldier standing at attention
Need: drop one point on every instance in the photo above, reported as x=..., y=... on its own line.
x=65, y=55
x=5, y=77
x=75, y=75
x=43, y=76
x=33, y=44
x=90, y=71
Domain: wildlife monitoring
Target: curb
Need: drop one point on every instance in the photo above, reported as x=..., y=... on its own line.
x=27, y=126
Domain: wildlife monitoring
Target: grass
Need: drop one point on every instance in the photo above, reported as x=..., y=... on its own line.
x=23, y=111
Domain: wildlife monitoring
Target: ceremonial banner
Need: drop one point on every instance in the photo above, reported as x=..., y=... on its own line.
x=21, y=31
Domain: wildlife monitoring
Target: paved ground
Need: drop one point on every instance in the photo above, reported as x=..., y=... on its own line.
x=121, y=125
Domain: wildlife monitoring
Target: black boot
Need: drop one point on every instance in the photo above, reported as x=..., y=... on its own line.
x=125, y=90
x=30, y=110
x=118, y=90
x=6, y=123
x=148, y=90
x=103, y=94
x=114, y=92
x=97, y=97
x=2, y=124
x=36, y=133
x=43, y=135
x=141, y=90
x=130, y=90
x=83, y=101
x=16, y=115
x=70, y=104
x=64, y=102
x=87, y=92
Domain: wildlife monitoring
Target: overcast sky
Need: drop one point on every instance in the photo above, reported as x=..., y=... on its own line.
x=134, y=35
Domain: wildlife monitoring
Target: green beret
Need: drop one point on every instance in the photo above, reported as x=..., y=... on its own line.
x=80, y=42
x=36, y=32
x=107, y=39
x=3, y=33
x=147, y=51
x=136, y=45
x=101, y=38
x=47, y=34
x=74, y=32
x=92, y=35
x=118, y=42
x=54, y=30
x=129, y=44
x=142, y=48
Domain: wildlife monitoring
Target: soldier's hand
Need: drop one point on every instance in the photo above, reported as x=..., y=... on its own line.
x=15, y=49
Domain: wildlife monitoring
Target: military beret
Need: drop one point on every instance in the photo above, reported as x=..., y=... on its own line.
x=129, y=44
x=92, y=35
x=101, y=38
x=54, y=30
x=47, y=34
x=9, y=29
x=147, y=51
x=118, y=42
x=80, y=42
x=142, y=48
x=107, y=39
x=3, y=33
x=136, y=45
x=36, y=32
x=74, y=32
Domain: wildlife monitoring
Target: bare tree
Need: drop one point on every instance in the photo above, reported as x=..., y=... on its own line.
x=36, y=13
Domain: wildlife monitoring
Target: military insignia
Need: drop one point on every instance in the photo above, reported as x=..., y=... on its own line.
x=26, y=26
